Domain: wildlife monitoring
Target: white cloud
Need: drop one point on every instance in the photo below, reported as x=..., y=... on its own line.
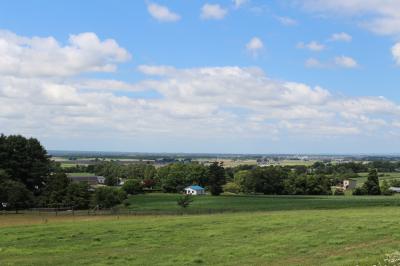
x=337, y=62
x=213, y=11
x=286, y=21
x=341, y=37
x=202, y=102
x=255, y=46
x=312, y=46
x=346, y=62
x=39, y=56
x=239, y=3
x=162, y=13
x=314, y=63
x=382, y=16
x=396, y=52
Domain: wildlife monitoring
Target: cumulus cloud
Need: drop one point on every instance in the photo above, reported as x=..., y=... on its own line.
x=346, y=62
x=314, y=63
x=45, y=56
x=286, y=21
x=382, y=16
x=337, y=62
x=239, y=3
x=213, y=11
x=255, y=46
x=396, y=52
x=201, y=102
x=162, y=13
x=312, y=46
x=341, y=37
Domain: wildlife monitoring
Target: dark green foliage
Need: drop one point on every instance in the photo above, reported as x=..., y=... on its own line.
x=385, y=188
x=175, y=177
x=107, y=197
x=55, y=190
x=132, y=186
x=216, y=178
x=15, y=194
x=231, y=187
x=371, y=186
x=359, y=191
x=395, y=183
x=184, y=201
x=307, y=185
x=78, y=195
x=25, y=161
x=338, y=192
x=113, y=171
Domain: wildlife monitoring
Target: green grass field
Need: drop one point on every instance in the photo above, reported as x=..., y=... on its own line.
x=386, y=176
x=164, y=203
x=264, y=231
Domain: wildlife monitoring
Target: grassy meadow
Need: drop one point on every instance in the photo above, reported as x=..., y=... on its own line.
x=263, y=231
x=160, y=202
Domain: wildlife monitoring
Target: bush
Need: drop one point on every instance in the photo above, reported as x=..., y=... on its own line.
x=231, y=187
x=359, y=191
x=385, y=189
x=132, y=186
x=107, y=197
x=338, y=192
x=184, y=201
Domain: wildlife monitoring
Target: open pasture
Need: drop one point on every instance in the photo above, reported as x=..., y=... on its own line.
x=164, y=203
x=353, y=236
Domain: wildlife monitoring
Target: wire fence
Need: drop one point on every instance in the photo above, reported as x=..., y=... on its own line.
x=114, y=211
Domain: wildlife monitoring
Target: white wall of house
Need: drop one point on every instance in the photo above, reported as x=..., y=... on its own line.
x=190, y=191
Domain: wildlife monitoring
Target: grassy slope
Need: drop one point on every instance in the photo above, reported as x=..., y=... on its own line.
x=311, y=237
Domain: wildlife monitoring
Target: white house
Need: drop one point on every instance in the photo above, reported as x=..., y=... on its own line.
x=195, y=190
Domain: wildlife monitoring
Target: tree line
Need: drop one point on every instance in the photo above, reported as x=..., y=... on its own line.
x=28, y=178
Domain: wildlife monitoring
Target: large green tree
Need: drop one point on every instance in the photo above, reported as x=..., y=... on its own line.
x=78, y=195
x=371, y=186
x=24, y=160
x=216, y=178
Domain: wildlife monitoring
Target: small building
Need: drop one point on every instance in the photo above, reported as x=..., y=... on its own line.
x=195, y=190
x=91, y=180
x=395, y=189
x=349, y=184
x=101, y=180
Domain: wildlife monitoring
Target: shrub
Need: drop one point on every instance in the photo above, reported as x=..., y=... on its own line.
x=132, y=186
x=231, y=187
x=359, y=191
x=184, y=201
x=338, y=192
x=107, y=197
x=385, y=189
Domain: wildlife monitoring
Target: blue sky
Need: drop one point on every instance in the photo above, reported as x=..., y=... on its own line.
x=238, y=76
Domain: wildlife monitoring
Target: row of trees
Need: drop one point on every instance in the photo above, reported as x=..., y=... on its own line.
x=28, y=178
x=171, y=178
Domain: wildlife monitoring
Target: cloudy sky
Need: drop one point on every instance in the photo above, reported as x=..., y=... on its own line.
x=241, y=76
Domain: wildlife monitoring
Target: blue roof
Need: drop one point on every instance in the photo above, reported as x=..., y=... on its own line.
x=196, y=187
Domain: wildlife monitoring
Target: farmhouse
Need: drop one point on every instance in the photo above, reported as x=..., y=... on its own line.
x=349, y=184
x=195, y=190
x=91, y=180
